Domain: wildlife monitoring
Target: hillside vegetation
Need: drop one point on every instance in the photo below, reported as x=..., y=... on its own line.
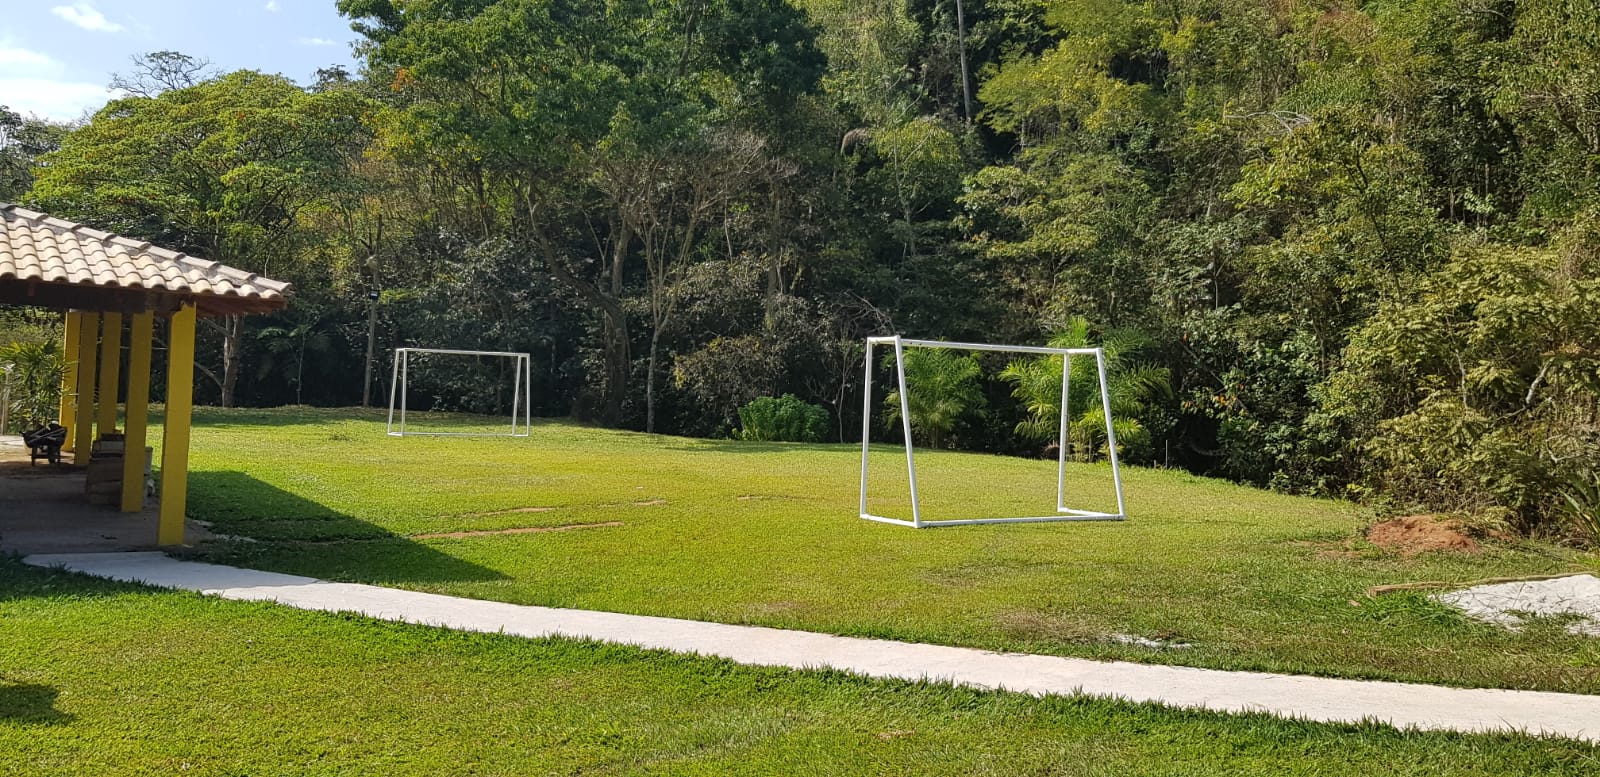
x=1354, y=244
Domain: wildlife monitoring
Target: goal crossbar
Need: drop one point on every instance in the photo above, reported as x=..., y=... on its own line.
x=1063, y=513
x=521, y=392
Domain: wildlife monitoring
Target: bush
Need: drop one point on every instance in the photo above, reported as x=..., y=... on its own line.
x=1481, y=393
x=783, y=419
x=34, y=382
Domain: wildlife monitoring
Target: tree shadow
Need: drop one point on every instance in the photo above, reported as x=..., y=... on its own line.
x=20, y=581
x=30, y=704
x=261, y=525
x=725, y=445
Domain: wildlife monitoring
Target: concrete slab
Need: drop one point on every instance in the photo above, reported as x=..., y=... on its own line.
x=1508, y=604
x=43, y=510
x=1404, y=705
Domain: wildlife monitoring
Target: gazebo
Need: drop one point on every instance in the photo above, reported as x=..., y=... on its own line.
x=103, y=281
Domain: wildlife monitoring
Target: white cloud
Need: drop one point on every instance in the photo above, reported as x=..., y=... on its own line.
x=85, y=16
x=51, y=99
x=317, y=42
x=272, y=5
x=17, y=60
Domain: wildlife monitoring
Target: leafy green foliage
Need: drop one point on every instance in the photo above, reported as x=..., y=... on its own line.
x=1483, y=391
x=23, y=141
x=649, y=195
x=942, y=388
x=782, y=419
x=33, y=379
x=224, y=169
x=1582, y=496
x=1130, y=386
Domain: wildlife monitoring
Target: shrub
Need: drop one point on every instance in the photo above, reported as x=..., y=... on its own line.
x=1481, y=392
x=35, y=381
x=783, y=419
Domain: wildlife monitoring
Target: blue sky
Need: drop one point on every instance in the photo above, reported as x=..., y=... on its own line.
x=56, y=56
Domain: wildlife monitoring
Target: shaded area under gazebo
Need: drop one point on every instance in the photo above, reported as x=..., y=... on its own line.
x=113, y=290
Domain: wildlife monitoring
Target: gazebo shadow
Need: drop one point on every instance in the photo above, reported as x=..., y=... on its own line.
x=254, y=522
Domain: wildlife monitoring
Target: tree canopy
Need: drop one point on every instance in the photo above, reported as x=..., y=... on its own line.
x=1348, y=246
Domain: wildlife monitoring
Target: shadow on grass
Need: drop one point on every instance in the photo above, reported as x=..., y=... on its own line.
x=725, y=445
x=28, y=703
x=301, y=415
x=266, y=525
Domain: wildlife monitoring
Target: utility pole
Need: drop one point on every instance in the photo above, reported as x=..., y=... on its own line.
x=5, y=398
x=961, y=43
x=373, y=294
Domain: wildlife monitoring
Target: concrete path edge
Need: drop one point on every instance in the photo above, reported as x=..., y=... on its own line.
x=1403, y=705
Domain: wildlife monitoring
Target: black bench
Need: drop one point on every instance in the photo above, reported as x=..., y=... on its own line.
x=45, y=443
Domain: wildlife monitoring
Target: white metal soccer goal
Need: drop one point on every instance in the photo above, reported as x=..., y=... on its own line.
x=1063, y=513
x=521, y=392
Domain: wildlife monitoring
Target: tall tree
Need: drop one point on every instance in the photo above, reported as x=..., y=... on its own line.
x=223, y=169
x=23, y=141
x=579, y=131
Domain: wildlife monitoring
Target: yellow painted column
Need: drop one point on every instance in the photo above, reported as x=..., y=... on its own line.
x=83, y=425
x=68, y=411
x=175, y=427
x=138, y=413
x=110, y=371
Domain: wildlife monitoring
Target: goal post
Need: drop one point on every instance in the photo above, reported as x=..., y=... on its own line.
x=1063, y=512
x=521, y=392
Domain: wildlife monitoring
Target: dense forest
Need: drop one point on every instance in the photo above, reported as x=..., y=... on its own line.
x=1331, y=246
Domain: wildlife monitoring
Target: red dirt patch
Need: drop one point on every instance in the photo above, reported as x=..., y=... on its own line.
x=1415, y=534
x=453, y=535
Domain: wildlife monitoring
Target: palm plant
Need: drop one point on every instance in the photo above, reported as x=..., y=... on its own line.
x=1582, y=497
x=35, y=381
x=942, y=386
x=1130, y=385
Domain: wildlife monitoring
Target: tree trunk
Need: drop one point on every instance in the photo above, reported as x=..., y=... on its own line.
x=650, y=383
x=232, y=354
x=614, y=327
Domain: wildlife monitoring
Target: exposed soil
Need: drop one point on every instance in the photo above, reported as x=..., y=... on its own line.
x=513, y=511
x=520, y=530
x=1414, y=534
x=650, y=503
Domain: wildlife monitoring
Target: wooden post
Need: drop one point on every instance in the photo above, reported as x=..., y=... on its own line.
x=138, y=413
x=175, y=427
x=110, y=372
x=83, y=425
x=66, y=414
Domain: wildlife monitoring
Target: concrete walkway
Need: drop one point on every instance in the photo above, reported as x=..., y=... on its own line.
x=1313, y=698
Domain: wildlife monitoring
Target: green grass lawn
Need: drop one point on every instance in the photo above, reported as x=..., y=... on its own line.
x=767, y=534
x=103, y=679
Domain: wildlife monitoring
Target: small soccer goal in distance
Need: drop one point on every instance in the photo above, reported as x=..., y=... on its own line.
x=1063, y=512
x=521, y=423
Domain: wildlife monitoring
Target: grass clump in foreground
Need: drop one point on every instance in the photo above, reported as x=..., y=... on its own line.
x=766, y=533
x=108, y=679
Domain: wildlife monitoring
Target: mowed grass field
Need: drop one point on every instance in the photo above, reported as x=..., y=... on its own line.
x=103, y=679
x=767, y=534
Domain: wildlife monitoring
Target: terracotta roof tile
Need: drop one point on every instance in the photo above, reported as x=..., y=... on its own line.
x=44, y=249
